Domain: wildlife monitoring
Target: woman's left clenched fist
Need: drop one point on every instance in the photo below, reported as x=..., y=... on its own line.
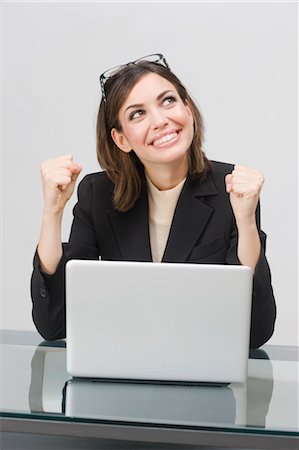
x=244, y=186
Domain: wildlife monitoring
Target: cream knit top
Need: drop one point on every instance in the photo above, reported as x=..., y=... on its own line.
x=161, y=210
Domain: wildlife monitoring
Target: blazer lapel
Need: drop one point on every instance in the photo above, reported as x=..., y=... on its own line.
x=131, y=229
x=190, y=219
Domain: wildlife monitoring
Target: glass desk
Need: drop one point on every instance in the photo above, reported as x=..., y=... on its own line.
x=38, y=396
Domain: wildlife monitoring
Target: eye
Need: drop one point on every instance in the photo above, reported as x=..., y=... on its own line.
x=136, y=114
x=169, y=100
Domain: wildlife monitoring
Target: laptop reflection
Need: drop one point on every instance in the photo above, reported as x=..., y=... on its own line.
x=149, y=402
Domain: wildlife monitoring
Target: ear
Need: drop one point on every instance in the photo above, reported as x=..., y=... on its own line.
x=120, y=140
x=187, y=104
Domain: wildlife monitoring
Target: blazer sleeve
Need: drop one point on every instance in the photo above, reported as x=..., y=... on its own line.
x=48, y=291
x=263, y=311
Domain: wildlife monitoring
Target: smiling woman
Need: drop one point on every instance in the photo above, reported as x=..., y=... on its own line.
x=157, y=183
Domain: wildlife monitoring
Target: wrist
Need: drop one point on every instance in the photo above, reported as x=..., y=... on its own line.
x=246, y=222
x=52, y=214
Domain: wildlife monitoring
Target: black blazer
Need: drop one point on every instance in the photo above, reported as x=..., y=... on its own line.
x=203, y=231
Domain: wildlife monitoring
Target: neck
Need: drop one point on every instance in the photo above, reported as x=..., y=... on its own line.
x=166, y=177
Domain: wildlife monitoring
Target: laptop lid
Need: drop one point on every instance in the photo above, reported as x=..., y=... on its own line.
x=153, y=321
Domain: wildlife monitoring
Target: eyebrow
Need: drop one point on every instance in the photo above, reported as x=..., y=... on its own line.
x=139, y=105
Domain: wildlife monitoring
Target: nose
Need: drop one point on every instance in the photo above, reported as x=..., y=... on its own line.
x=158, y=118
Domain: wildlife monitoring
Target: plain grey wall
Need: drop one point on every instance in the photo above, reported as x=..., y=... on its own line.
x=238, y=60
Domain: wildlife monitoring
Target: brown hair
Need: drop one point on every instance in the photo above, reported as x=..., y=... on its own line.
x=125, y=169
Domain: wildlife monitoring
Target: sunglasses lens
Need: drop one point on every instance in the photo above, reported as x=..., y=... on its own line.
x=110, y=72
x=149, y=58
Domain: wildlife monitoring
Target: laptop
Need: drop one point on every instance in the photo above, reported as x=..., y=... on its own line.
x=165, y=322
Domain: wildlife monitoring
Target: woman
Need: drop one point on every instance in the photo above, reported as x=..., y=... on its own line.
x=159, y=198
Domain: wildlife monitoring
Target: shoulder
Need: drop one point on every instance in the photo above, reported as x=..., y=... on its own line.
x=218, y=171
x=97, y=180
x=214, y=179
x=221, y=168
x=96, y=189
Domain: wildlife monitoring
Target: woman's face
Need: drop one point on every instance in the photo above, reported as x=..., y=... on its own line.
x=155, y=123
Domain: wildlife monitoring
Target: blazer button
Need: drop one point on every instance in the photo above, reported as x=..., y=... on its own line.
x=43, y=292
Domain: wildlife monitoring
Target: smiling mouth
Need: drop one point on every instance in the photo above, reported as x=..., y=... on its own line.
x=167, y=138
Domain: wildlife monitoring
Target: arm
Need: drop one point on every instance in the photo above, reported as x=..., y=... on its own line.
x=244, y=186
x=48, y=279
x=59, y=177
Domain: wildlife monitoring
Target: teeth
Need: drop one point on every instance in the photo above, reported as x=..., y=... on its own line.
x=164, y=139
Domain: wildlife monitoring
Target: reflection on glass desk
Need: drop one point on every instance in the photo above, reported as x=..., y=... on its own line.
x=37, y=395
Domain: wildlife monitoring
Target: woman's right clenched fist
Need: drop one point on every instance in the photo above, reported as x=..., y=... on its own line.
x=59, y=177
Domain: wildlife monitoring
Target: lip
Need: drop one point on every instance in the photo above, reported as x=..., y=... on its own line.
x=165, y=133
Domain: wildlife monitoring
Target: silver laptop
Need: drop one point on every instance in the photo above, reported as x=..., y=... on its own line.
x=158, y=322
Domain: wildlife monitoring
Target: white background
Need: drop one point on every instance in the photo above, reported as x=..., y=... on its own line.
x=238, y=60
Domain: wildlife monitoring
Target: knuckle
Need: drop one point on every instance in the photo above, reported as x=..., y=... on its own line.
x=43, y=166
x=47, y=178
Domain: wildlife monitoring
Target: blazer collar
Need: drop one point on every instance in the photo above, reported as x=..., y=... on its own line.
x=131, y=229
x=191, y=216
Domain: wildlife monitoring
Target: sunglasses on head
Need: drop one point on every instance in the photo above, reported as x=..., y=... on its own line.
x=156, y=58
